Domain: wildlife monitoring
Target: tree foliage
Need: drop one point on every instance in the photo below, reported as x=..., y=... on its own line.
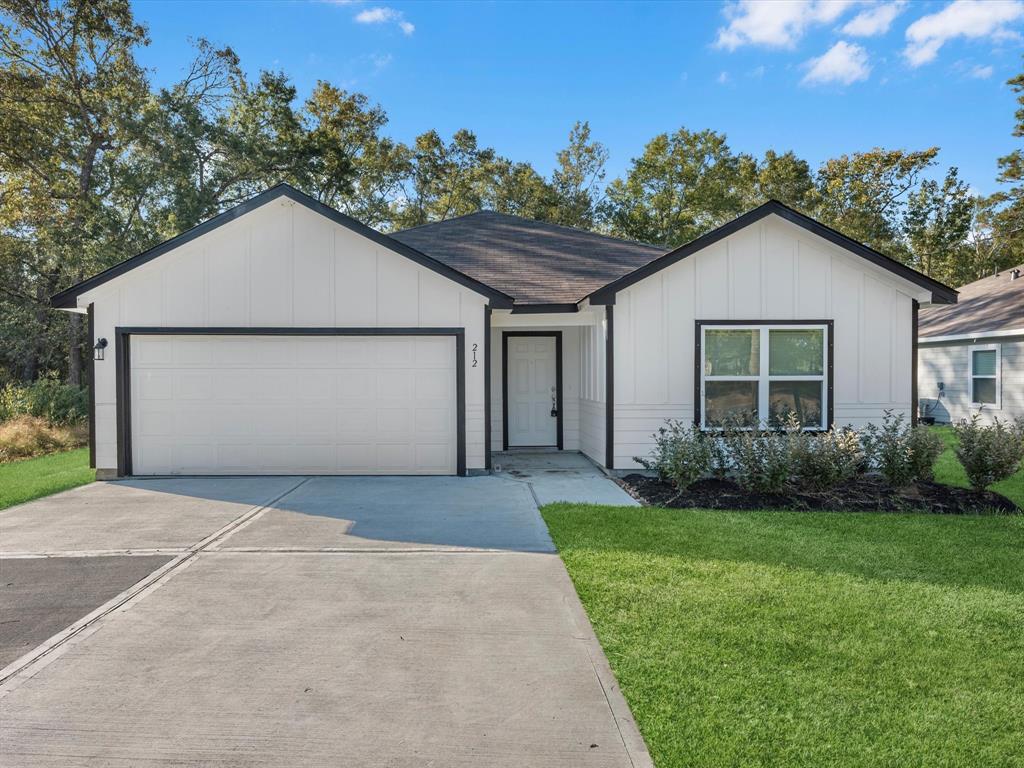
x=97, y=165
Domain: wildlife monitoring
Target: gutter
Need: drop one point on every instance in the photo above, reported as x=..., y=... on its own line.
x=970, y=336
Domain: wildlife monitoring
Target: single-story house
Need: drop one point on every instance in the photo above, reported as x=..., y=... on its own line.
x=285, y=337
x=971, y=358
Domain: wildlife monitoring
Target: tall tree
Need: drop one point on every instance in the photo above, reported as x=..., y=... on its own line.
x=1002, y=215
x=863, y=194
x=938, y=223
x=683, y=185
x=517, y=189
x=70, y=91
x=786, y=178
x=577, y=178
x=447, y=179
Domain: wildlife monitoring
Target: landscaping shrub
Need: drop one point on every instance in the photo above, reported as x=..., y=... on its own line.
x=762, y=461
x=682, y=454
x=48, y=399
x=824, y=460
x=989, y=453
x=901, y=453
x=26, y=436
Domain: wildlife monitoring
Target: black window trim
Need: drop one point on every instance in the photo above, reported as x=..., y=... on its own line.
x=698, y=404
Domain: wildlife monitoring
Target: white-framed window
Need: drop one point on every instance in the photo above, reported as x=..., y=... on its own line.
x=983, y=366
x=761, y=373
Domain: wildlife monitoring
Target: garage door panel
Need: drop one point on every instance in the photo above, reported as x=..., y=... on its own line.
x=160, y=353
x=433, y=456
x=391, y=420
x=355, y=458
x=434, y=385
x=395, y=385
x=355, y=385
x=356, y=422
x=270, y=384
x=233, y=421
x=394, y=456
x=293, y=405
x=155, y=385
x=394, y=353
x=432, y=421
x=433, y=353
x=193, y=386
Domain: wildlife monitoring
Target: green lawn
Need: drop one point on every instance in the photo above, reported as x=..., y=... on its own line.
x=949, y=471
x=808, y=639
x=22, y=481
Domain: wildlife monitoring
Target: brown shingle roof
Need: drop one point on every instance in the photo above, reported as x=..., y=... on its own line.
x=533, y=261
x=993, y=303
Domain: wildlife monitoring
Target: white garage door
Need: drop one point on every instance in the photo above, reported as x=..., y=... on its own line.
x=293, y=404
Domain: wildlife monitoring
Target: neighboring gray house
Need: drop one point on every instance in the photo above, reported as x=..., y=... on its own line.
x=283, y=337
x=971, y=354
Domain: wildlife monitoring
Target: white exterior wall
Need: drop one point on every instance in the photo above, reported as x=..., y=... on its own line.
x=948, y=363
x=283, y=265
x=771, y=270
x=593, y=410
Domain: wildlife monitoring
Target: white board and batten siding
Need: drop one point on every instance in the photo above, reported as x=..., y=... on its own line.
x=771, y=270
x=284, y=266
x=948, y=363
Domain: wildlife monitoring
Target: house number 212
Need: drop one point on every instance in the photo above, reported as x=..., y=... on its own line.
x=474, y=355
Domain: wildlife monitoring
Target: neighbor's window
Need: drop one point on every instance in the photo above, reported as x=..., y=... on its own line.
x=761, y=374
x=984, y=374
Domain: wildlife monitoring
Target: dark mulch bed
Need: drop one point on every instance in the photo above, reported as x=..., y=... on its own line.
x=866, y=493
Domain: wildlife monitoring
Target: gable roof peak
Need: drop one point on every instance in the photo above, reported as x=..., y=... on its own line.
x=68, y=298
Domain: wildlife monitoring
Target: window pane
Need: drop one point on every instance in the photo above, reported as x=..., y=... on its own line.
x=796, y=352
x=732, y=401
x=984, y=391
x=732, y=352
x=984, y=362
x=802, y=398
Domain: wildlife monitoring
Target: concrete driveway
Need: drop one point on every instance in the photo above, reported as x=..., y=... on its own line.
x=303, y=621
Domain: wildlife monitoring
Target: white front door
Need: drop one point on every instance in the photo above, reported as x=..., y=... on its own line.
x=532, y=391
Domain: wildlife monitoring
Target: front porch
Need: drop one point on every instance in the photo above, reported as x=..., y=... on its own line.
x=548, y=384
x=555, y=475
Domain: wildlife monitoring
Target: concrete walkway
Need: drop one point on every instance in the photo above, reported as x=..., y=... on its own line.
x=561, y=476
x=312, y=622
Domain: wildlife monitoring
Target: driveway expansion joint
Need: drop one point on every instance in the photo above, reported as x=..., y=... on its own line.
x=26, y=666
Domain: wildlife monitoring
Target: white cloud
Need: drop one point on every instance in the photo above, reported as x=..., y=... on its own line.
x=842, y=63
x=875, y=20
x=961, y=18
x=979, y=72
x=381, y=61
x=384, y=15
x=723, y=78
x=778, y=24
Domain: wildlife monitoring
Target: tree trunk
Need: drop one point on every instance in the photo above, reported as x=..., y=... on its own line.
x=35, y=350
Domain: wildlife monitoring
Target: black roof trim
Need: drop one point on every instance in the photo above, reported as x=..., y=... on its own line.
x=66, y=299
x=536, y=309
x=941, y=294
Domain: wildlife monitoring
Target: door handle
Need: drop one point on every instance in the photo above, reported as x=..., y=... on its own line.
x=554, y=403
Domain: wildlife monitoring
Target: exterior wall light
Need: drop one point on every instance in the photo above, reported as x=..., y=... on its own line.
x=98, y=349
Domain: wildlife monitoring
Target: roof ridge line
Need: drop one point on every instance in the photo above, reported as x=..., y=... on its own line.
x=613, y=238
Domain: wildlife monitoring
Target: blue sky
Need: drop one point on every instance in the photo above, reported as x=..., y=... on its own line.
x=818, y=77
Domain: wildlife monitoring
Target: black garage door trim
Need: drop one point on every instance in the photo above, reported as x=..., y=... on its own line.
x=122, y=342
